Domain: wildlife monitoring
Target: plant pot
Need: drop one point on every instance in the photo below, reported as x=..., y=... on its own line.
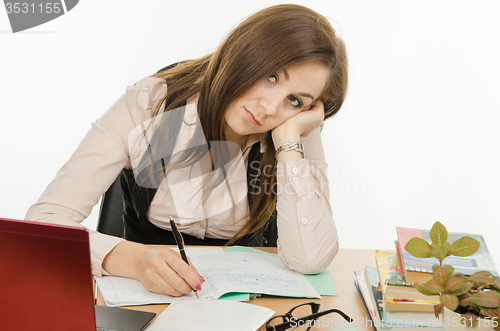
x=452, y=321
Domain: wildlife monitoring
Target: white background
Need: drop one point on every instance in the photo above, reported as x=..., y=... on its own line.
x=416, y=141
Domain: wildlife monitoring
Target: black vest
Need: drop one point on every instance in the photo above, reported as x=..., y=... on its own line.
x=137, y=200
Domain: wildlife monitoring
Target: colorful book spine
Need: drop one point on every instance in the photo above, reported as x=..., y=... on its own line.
x=394, y=276
x=394, y=300
x=382, y=258
x=363, y=293
x=373, y=282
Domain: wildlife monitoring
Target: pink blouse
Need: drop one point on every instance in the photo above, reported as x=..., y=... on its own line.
x=307, y=237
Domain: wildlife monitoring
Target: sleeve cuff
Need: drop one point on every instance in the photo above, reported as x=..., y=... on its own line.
x=101, y=245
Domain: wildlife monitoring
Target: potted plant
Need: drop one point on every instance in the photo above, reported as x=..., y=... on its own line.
x=467, y=300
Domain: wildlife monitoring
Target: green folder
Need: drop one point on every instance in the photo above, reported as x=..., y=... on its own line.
x=322, y=282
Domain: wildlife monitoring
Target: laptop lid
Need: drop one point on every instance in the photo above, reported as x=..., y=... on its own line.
x=46, y=278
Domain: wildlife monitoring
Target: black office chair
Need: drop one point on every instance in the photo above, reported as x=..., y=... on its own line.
x=110, y=219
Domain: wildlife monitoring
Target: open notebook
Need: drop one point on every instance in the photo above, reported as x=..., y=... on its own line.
x=47, y=282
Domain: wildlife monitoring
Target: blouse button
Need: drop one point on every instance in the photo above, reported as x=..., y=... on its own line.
x=295, y=180
x=304, y=221
x=295, y=170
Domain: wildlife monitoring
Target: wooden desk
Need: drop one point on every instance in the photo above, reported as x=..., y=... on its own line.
x=349, y=301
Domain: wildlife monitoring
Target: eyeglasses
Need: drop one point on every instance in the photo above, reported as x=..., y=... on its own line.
x=310, y=312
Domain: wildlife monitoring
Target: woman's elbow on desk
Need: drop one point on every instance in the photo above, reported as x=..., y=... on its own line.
x=308, y=265
x=308, y=245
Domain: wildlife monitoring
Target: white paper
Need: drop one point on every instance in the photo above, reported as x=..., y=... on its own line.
x=252, y=273
x=224, y=272
x=211, y=315
x=119, y=291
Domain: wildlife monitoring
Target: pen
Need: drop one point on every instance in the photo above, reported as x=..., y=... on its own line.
x=180, y=243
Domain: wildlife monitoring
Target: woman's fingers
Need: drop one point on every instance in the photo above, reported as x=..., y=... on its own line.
x=187, y=273
x=318, y=110
x=308, y=119
x=156, y=283
x=166, y=273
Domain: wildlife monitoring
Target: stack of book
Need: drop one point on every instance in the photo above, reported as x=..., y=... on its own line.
x=400, y=295
x=387, y=290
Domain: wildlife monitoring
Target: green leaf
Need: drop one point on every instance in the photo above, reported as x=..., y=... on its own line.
x=438, y=234
x=449, y=269
x=440, y=275
x=465, y=246
x=482, y=277
x=440, y=252
x=454, y=283
x=491, y=312
x=461, y=290
x=449, y=301
x=437, y=309
x=421, y=288
x=487, y=299
x=496, y=283
x=434, y=287
x=465, y=302
x=418, y=247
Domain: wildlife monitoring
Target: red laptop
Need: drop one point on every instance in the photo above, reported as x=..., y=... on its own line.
x=46, y=281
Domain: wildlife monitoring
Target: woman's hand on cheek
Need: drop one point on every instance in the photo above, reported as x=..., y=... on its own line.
x=299, y=124
x=312, y=118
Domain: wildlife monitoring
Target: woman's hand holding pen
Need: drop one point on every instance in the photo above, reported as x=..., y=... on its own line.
x=160, y=270
x=165, y=272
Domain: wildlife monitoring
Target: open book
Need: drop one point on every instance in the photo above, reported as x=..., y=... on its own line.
x=224, y=272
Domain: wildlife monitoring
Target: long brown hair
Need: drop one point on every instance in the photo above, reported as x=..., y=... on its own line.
x=263, y=44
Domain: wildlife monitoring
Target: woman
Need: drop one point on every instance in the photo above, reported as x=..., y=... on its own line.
x=228, y=145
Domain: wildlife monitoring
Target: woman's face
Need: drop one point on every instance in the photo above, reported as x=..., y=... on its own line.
x=275, y=99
